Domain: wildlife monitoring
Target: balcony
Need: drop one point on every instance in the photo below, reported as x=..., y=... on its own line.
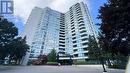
x=73, y=34
x=75, y=50
x=82, y=28
x=75, y=45
x=83, y=31
x=62, y=51
x=84, y=35
x=84, y=39
x=81, y=25
x=61, y=48
x=85, y=49
x=84, y=57
x=62, y=42
x=84, y=46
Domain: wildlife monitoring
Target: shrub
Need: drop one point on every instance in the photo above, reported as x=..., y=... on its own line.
x=42, y=59
x=80, y=62
x=52, y=63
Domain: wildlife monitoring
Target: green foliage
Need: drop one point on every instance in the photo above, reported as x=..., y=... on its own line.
x=35, y=62
x=52, y=56
x=80, y=62
x=115, y=29
x=11, y=46
x=52, y=63
x=119, y=61
x=18, y=49
x=7, y=33
x=94, y=50
x=115, y=26
x=43, y=59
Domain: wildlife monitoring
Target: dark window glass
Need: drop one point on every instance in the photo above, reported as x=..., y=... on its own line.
x=74, y=38
x=82, y=31
x=83, y=35
x=84, y=39
x=74, y=41
x=74, y=45
x=84, y=44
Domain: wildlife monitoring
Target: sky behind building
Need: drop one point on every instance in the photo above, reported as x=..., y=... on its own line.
x=22, y=8
x=67, y=32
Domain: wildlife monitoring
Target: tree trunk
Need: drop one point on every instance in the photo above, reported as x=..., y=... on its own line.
x=9, y=61
x=102, y=62
x=109, y=63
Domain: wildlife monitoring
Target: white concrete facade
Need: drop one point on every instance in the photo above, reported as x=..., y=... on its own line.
x=78, y=28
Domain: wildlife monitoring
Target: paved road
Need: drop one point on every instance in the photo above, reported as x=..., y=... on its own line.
x=56, y=69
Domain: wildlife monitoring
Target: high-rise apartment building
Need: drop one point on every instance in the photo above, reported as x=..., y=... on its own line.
x=67, y=33
x=78, y=28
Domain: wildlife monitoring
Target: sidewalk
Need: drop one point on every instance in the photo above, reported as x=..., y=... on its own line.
x=99, y=67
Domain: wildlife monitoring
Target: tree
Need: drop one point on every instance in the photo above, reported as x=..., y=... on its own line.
x=94, y=50
x=115, y=27
x=95, y=53
x=43, y=59
x=11, y=46
x=52, y=56
x=18, y=49
x=7, y=33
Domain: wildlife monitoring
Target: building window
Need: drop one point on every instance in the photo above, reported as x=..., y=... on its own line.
x=85, y=49
x=72, y=28
x=74, y=45
x=61, y=48
x=73, y=34
x=32, y=51
x=61, y=52
x=84, y=39
x=80, y=16
x=62, y=33
x=61, y=39
x=84, y=44
x=62, y=45
x=85, y=54
x=31, y=55
x=75, y=55
x=71, y=17
x=80, y=19
x=62, y=25
x=81, y=28
x=62, y=36
x=61, y=42
x=74, y=38
x=74, y=41
x=73, y=31
x=81, y=25
x=75, y=50
x=83, y=35
x=72, y=25
x=78, y=11
x=72, y=22
x=83, y=31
